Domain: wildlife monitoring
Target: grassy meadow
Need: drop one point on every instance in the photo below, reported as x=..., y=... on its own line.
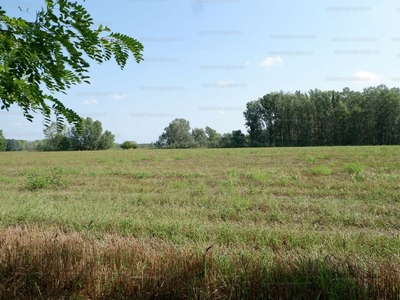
x=251, y=223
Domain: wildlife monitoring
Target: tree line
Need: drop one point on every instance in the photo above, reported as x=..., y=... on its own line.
x=91, y=137
x=319, y=118
x=316, y=118
x=19, y=145
x=178, y=134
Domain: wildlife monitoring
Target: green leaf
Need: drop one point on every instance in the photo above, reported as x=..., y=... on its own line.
x=49, y=52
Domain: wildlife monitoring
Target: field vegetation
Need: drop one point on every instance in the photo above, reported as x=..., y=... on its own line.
x=251, y=223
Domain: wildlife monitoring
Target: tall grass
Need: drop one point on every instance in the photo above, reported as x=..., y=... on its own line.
x=53, y=264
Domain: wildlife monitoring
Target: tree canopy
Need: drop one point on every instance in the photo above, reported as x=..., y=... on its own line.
x=52, y=52
x=129, y=145
x=320, y=118
x=91, y=137
x=3, y=141
x=176, y=135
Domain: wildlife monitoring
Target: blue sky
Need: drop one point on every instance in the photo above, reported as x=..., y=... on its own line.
x=205, y=59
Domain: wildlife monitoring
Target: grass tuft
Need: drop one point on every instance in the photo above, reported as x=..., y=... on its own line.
x=353, y=168
x=42, y=180
x=320, y=170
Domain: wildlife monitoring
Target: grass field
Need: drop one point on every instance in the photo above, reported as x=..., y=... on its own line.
x=284, y=223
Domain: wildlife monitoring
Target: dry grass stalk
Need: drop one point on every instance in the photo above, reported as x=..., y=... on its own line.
x=53, y=264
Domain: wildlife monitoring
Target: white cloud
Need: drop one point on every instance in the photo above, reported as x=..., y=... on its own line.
x=271, y=61
x=90, y=102
x=366, y=76
x=247, y=63
x=220, y=112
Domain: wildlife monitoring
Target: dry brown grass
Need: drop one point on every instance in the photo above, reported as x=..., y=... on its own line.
x=54, y=264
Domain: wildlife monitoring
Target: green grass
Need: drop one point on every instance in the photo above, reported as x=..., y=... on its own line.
x=45, y=179
x=151, y=195
x=353, y=168
x=265, y=203
x=320, y=170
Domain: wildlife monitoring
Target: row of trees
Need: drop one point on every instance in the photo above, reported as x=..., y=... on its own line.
x=178, y=134
x=17, y=145
x=319, y=118
x=315, y=118
x=90, y=138
x=22, y=145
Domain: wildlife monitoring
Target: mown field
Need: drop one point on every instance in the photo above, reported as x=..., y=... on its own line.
x=280, y=223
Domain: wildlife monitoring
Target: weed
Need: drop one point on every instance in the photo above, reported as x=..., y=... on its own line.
x=261, y=176
x=320, y=170
x=310, y=159
x=353, y=168
x=44, y=180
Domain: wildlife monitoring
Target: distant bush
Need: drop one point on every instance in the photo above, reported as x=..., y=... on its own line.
x=129, y=145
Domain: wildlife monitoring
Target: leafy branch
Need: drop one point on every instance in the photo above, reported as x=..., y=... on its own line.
x=53, y=51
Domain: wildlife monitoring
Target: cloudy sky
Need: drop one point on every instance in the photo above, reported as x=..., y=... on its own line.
x=205, y=59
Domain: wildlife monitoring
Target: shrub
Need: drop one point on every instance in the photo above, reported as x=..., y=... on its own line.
x=40, y=181
x=129, y=145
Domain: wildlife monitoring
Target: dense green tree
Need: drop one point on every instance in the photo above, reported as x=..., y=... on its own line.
x=303, y=119
x=322, y=115
x=355, y=128
x=3, y=141
x=200, y=137
x=14, y=145
x=176, y=135
x=226, y=140
x=340, y=121
x=106, y=141
x=213, y=137
x=56, y=139
x=254, y=115
x=89, y=138
x=238, y=139
x=271, y=117
x=385, y=107
x=51, y=51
